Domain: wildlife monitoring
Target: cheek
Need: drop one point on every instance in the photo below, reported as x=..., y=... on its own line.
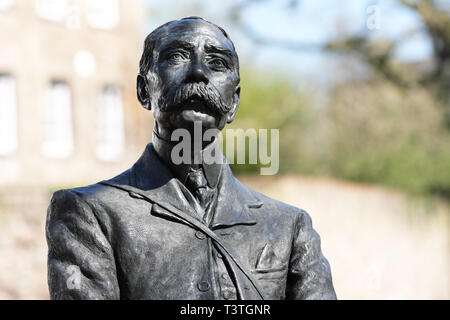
x=226, y=84
x=172, y=75
x=154, y=82
x=227, y=90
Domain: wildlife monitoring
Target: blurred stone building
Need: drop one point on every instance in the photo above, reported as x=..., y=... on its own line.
x=68, y=107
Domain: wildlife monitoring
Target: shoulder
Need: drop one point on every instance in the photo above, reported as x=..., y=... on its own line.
x=272, y=206
x=70, y=206
x=89, y=194
x=82, y=208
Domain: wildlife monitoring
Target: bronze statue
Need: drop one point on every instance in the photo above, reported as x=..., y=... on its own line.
x=162, y=230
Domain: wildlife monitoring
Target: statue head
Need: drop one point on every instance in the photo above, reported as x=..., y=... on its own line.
x=189, y=72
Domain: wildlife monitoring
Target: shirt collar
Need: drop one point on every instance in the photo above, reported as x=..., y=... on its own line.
x=163, y=149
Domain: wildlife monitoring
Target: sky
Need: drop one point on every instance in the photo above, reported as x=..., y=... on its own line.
x=311, y=21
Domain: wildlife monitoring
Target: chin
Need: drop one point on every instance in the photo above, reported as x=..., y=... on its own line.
x=187, y=118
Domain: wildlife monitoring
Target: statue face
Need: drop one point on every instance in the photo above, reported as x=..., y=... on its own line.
x=194, y=77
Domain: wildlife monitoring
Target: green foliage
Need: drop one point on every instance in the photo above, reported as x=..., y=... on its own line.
x=269, y=101
x=382, y=134
x=369, y=132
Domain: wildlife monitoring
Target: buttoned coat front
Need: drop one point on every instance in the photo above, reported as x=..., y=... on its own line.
x=107, y=243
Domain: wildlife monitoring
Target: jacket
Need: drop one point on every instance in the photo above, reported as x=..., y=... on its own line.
x=135, y=236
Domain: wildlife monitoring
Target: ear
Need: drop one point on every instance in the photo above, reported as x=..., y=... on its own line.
x=142, y=91
x=237, y=99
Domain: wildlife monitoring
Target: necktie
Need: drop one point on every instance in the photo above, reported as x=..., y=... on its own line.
x=197, y=184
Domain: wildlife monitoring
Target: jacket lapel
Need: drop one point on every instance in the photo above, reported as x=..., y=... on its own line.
x=150, y=179
x=234, y=203
x=154, y=179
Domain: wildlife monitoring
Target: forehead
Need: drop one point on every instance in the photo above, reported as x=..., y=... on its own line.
x=195, y=32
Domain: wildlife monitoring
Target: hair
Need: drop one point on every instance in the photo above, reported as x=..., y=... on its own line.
x=150, y=42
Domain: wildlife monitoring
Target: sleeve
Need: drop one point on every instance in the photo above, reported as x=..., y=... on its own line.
x=80, y=259
x=309, y=276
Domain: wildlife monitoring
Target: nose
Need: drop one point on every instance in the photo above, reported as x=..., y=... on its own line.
x=197, y=73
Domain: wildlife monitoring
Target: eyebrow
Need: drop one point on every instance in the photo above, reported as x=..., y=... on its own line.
x=216, y=49
x=178, y=44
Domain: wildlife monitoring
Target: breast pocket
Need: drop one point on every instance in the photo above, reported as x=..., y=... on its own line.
x=272, y=281
x=271, y=273
x=268, y=266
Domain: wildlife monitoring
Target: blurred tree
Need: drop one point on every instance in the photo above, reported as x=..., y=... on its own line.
x=386, y=129
x=379, y=54
x=269, y=101
x=377, y=133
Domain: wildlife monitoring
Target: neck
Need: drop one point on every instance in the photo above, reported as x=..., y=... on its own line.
x=209, y=157
x=194, y=143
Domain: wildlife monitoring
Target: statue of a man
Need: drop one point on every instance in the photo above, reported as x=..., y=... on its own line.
x=190, y=230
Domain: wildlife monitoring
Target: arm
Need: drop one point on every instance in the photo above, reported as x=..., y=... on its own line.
x=80, y=259
x=309, y=275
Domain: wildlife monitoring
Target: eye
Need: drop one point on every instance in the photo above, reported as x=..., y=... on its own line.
x=175, y=57
x=218, y=63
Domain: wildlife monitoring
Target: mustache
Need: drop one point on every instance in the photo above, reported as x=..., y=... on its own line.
x=182, y=94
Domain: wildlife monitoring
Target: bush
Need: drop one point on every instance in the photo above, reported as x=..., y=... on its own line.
x=381, y=134
x=270, y=101
x=369, y=132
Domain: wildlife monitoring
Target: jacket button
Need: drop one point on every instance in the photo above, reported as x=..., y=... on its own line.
x=226, y=295
x=200, y=235
x=219, y=255
x=203, y=286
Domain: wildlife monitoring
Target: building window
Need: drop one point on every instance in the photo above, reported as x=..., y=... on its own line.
x=84, y=64
x=53, y=10
x=111, y=138
x=102, y=14
x=6, y=4
x=8, y=115
x=58, y=135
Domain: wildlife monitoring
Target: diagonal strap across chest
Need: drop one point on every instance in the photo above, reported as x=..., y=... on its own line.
x=246, y=286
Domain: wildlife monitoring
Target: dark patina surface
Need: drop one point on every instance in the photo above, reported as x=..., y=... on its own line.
x=146, y=234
